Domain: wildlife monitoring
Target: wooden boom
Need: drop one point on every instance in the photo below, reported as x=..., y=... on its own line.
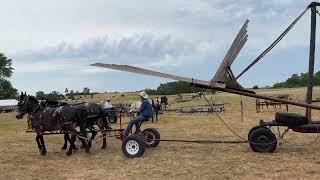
x=204, y=84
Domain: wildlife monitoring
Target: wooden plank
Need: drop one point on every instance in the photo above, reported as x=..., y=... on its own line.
x=231, y=55
x=138, y=70
x=238, y=49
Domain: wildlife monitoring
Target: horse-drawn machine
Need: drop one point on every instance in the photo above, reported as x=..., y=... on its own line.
x=260, y=138
x=132, y=146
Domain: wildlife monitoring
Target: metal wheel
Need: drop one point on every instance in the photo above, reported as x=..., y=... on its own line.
x=133, y=146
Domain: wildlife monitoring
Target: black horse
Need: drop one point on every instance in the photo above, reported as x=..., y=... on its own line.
x=51, y=119
x=93, y=115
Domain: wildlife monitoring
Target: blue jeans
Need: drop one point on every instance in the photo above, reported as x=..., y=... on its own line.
x=136, y=120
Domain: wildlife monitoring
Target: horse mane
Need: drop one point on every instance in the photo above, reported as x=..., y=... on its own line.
x=32, y=98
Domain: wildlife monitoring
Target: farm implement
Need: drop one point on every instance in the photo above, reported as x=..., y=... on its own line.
x=260, y=138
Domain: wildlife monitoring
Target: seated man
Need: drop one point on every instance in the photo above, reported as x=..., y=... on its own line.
x=144, y=112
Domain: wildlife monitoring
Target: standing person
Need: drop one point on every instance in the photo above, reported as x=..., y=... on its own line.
x=144, y=112
x=106, y=107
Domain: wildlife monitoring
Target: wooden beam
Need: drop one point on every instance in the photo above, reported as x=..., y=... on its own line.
x=138, y=70
x=203, y=84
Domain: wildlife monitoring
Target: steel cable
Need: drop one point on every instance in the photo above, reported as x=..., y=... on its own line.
x=284, y=33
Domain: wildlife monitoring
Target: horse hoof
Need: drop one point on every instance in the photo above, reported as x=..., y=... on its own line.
x=87, y=150
x=89, y=144
x=103, y=146
x=68, y=153
x=74, y=148
x=43, y=151
x=64, y=148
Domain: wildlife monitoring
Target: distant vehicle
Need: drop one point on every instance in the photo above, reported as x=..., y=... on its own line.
x=8, y=105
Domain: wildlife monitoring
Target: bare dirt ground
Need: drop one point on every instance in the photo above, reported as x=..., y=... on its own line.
x=20, y=159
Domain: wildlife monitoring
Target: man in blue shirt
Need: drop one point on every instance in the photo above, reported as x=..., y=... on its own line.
x=144, y=112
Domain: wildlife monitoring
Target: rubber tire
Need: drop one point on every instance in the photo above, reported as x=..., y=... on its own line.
x=253, y=129
x=156, y=135
x=290, y=119
x=269, y=138
x=140, y=142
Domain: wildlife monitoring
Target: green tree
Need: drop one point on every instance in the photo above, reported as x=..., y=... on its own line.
x=86, y=91
x=174, y=88
x=5, y=66
x=40, y=95
x=55, y=95
x=255, y=87
x=71, y=95
x=297, y=80
x=6, y=89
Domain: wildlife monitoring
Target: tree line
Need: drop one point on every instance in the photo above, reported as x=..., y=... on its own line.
x=297, y=80
x=177, y=87
x=55, y=95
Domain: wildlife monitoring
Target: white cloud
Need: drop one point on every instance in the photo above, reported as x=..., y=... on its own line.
x=66, y=36
x=145, y=48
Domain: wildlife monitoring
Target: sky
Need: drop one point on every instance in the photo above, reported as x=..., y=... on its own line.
x=52, y=43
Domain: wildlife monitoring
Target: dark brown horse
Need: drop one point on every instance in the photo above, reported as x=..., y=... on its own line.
x=93, y=115
x=43, y=119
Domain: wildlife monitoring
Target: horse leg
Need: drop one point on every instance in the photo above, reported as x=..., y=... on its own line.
x=43, y=147
x=104, y=140
x=85, y=145
x=93, y=135
x=157, y=112
x=82, y=140
x=71, y=141
x=38, y=142
x=152, y=117
x=65, y=145
x=83, y=132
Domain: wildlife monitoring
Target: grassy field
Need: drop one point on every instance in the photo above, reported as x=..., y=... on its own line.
x=20, y=159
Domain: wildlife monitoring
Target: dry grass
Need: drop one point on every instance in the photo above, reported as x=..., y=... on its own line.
x=19, y=158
